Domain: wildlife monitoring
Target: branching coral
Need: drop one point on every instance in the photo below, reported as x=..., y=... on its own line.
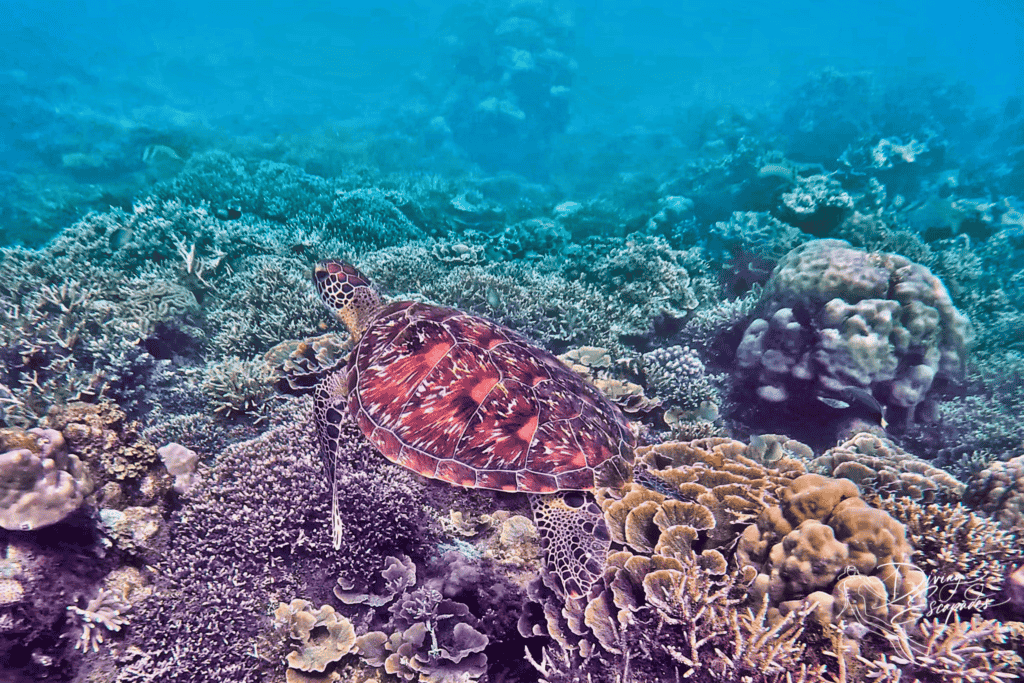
x=964, y=553
x=960, y=652
x=260, y=508
x=102, y=615
x=238, y=387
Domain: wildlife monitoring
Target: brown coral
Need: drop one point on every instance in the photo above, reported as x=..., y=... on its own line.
x=322, y=635
x=104, y=438
x=999, y=491
x=297, y=365
x=821, y=531
x=877, y=464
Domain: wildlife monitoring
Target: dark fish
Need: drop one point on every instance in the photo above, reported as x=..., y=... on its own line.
x=119, y=238
x=856, y=398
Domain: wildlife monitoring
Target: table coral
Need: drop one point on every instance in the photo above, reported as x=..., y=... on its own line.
x=41, y=483
x=833, y=317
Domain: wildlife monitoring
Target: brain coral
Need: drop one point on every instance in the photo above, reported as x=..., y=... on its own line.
x=834, y=317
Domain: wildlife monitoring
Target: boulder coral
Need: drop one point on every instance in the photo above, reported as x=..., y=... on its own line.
x=834, y=317
x=878, y=465
x=41, y=483
x=823, y=546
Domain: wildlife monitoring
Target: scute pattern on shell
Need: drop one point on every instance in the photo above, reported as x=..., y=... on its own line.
x=459, y=398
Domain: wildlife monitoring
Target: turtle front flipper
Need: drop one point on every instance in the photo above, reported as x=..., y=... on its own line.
x=574, y=537
x=329, y=410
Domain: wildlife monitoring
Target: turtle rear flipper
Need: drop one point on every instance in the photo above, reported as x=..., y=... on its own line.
x=574, y=537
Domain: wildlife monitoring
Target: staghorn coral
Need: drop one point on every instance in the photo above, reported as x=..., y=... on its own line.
x=644, y=273
x=665, y=619
x=235, y=387
x=266, y=300
x=965, y=554
x=102, y=615
x=878, y=465
x=41, y=483
x=938, y=651
x=836, y=317
x=252, y=529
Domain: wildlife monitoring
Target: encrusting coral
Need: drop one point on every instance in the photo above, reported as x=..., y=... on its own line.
x=105, y=438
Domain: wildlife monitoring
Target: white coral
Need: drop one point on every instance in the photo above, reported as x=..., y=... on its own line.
x=104, y=613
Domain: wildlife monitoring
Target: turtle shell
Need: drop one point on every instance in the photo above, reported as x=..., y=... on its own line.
x=460, y=398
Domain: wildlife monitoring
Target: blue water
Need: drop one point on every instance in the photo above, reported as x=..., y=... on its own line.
x=106, y=79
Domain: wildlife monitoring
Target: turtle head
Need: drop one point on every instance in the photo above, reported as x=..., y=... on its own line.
x=348, y=294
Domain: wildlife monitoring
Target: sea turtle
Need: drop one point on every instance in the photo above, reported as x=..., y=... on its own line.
x=457, y=397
